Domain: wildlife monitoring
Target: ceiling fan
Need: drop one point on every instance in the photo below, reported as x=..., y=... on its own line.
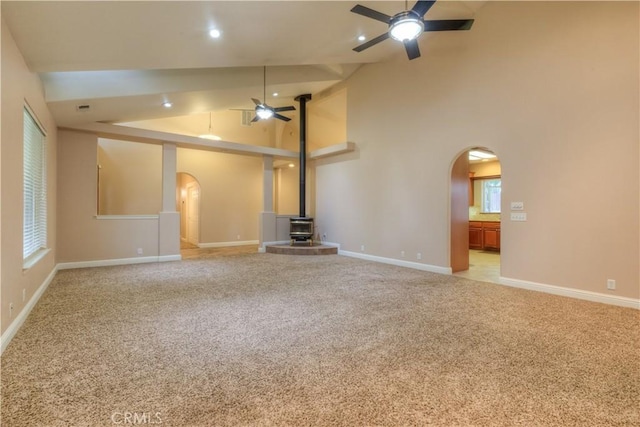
x=264, y=111
x=406, y=26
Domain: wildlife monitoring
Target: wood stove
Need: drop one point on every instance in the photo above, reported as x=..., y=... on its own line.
x=301, y=230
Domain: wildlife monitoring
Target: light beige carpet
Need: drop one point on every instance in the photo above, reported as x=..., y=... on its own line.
x=273, y=340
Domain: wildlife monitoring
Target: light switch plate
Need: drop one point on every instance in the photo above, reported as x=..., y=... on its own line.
x=517, y=206
x=518, y=216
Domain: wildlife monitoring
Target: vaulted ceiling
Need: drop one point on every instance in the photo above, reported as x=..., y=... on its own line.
x=125, y=58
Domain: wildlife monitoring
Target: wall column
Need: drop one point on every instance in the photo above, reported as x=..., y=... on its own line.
x=169, y=217
x=267, y=216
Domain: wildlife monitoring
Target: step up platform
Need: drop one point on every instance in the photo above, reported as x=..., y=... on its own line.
x=300, y=249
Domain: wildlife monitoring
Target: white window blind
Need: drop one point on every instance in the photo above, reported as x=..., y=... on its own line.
x=35, y=187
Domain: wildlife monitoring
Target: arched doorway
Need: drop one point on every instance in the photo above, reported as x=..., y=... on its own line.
x=188, y=190
x=476, y=188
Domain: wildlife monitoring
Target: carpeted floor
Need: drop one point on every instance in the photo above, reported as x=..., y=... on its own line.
x=273, y=340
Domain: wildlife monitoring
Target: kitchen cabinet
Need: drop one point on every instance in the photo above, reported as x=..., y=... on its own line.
x=484, y=235
x=491, y=235
x=475, y=235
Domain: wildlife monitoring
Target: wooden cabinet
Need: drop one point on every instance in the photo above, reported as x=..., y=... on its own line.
x=475, y=235
x=491, y=235
x=484, y=235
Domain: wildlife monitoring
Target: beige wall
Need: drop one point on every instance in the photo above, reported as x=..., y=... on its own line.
x=287, y=183
x=130, y=177
x=19, y=85
x=230, y=193
x=327, y=120
x=82, y=236
x=551, y=88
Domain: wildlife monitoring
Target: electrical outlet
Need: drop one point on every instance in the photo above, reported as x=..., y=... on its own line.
x=611, y=284
x=24, y=295
x=10, y=309
x=324, y=236
x=362, y=248
x=419, y=255
x=238, y=237
x=402, y=254
x=139, y=251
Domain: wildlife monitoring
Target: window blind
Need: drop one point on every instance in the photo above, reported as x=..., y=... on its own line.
x=35, y=187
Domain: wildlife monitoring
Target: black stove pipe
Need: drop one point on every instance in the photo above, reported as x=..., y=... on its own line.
x=302, y=99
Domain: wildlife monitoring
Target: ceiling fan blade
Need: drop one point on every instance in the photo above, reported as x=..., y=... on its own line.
x=289, y=108
x=422, y=7
x=255, y=119
x=413, y=51
x=370, y=13
x=448, y=24
x=363, y=46
x=278, y=116
x=255, y=101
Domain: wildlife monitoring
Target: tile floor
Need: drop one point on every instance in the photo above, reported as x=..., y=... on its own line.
x=483, y=265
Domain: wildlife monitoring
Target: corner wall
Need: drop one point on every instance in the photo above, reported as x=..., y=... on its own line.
x=553, y=87
x=20, y=86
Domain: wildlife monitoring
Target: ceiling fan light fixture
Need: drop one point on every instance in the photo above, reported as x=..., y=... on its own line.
x=406, y=26
x=264, y=113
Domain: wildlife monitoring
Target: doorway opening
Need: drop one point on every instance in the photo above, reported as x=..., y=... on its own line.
x=188, y=191
x=476, y=189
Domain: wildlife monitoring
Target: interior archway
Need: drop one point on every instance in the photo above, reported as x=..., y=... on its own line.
x=476, y=188
x=188, y=200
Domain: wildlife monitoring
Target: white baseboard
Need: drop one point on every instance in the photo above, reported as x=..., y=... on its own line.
x=226, y=244
x=572, y=293
x=120, y=261
x=13, y=328
x=400, y=263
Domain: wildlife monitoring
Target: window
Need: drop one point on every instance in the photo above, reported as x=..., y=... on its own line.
x=491, y=189
x=35, y=188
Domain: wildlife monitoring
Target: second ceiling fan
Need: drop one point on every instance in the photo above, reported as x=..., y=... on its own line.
x=264, y=111
x=407, y=26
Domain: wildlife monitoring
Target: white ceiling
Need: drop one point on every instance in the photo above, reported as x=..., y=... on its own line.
x=124, y=58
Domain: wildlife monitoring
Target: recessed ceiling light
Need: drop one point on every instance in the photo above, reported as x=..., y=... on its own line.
x=275, y=93
x=362, y=38
x=291, y=165
x=167, y=104
x=215, y=33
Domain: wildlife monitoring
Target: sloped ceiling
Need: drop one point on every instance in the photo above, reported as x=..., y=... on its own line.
x=124, y=58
